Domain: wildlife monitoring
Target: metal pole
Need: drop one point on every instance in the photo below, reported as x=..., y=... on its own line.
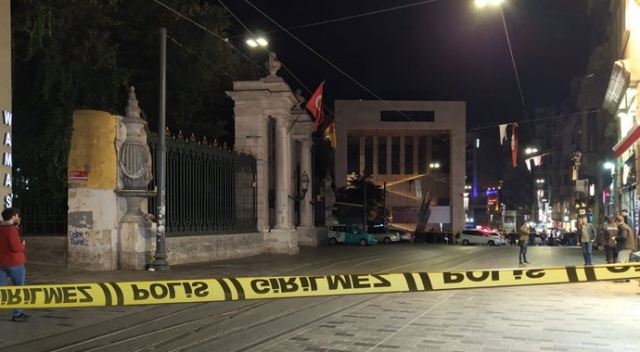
x=384, y=204
x=160, y=259
x=364, y=205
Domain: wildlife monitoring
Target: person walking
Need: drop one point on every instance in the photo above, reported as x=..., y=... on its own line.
x=607, y=239
x=523, y=239
x=586, y=235
x=12, y=257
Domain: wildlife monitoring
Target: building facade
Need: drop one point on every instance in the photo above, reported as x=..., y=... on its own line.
x=414, y=147
x=621, y=100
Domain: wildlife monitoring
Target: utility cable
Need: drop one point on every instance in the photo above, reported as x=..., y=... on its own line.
x=225, y=40
x=329, y=62
x=346, y=18
x=515, y=69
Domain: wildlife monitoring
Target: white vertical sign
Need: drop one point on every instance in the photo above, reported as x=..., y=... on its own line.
x=6, y=191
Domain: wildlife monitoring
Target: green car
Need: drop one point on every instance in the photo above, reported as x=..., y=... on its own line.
x=349, y=234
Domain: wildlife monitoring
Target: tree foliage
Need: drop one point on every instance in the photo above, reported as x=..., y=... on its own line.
x=84, y=54
x=354, y=193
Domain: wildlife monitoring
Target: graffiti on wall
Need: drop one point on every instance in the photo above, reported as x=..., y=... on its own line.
x=80, y=223
x=77, y=238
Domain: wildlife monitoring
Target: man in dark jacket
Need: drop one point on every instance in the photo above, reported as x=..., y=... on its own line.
x=12, y=254
x=607, y=239
x=625, y=239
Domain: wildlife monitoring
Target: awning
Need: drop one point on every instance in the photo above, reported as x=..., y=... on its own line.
x=618, y=84
x=626, y=142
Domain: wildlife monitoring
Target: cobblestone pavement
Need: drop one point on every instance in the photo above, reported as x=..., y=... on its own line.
x=598, y=316
x=578, y=317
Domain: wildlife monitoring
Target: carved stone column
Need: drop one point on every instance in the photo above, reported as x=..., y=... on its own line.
x=284, y=184
x=134, y=162
x=306, y=210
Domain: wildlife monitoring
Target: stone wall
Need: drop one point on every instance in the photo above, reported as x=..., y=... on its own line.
x=199, y=249
x=50, y=250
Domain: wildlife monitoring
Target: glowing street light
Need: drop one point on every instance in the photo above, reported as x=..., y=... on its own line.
x=531, y=150
x=483, y=3
x=256, y=42
x=609, y=165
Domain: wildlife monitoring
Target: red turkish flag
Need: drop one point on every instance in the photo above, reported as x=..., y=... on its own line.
x=514, y=144
x=314, y=105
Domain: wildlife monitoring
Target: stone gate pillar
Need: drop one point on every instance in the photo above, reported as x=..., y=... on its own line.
x=257, y=103
x=109, y=170
x=301, y=131
x=93, y=211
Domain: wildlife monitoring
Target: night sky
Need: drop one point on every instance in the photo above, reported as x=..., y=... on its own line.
x=434, y=50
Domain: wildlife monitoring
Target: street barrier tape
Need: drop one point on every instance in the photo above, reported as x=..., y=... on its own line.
x=237, y=289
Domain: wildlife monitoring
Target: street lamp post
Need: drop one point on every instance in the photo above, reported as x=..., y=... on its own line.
x=160, y=258
x=613, y=190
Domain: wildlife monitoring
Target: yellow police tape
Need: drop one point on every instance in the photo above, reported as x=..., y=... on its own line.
x=236, y=289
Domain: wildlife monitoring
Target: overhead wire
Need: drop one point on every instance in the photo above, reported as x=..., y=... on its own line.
x=176, y=42
x=515, y=69
x=207, y=30
x=287, y=31
x=328, y=61
x=346, y=18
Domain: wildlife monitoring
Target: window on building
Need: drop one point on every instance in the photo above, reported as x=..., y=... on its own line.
x=422, y=155
x=353, y=155
x=407, y=116
x=382, y=155
x=408, y=155
x=395, y=155
x=368, y=155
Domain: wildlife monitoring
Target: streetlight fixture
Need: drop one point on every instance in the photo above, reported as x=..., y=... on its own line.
x=483, y=3
x=256, y=42
x=610, y=166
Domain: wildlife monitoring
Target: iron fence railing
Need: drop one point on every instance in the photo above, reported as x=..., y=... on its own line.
x=209, y=190
x=42, y=216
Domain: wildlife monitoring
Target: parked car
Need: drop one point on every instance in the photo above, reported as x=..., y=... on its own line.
x=384, y=235
x=405, y=235
x=481, y=237
x=349, y=234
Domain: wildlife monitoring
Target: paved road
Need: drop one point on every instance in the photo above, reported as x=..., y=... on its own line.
x=600, y=316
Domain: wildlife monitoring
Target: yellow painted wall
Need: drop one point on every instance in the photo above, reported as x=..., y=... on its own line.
x=93, y=150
